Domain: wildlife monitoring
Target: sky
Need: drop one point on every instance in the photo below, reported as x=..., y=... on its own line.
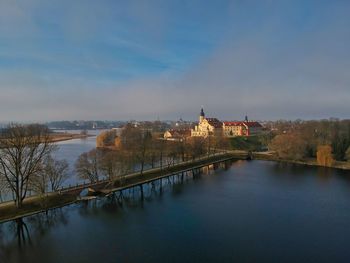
x=158, y=59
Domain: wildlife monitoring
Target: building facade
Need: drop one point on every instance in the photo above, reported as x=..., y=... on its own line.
x=177, y=134
x=212, y=126
x=206, y=126
x=241, y=128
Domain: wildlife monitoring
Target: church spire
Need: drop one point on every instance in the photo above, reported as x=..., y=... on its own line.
x=202, y=113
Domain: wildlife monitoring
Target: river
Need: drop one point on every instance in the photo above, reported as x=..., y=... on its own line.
x=72, y=149
x=255, y=211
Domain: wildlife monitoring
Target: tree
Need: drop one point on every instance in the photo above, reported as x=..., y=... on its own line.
x=56, y=171
x=324, y=155
x=22, y=151
x=289, y=146
x=3, y=187
x=109, y=164
x=142, y=149
x=138, y=142
x=220, y=142
x=196, y=146
x=39, y=182
x=340, y=144
x=51, y=176
x=159, y=147
x=106, y=139
x=87, y=166
x=348, y=154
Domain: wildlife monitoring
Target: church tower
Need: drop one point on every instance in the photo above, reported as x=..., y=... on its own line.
x=201, y=116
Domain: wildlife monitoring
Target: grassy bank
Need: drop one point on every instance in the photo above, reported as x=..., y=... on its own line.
x=34, y=205
x=251, y=143
x=59, y=137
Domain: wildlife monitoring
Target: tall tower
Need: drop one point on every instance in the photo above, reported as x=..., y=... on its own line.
x=246, y=118
x=201, y=116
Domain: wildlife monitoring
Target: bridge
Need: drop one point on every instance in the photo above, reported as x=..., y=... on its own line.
x=137, y=179
x=34, y=204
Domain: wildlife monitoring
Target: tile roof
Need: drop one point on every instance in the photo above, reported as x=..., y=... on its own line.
x=214, y=122
x=233, y=123
x=250, y=124
x=180, y=132
x=253, y=124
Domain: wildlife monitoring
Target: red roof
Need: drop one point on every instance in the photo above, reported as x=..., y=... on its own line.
x=214, y=122
x=249, y=124
x=233, y=123
x=253, y=124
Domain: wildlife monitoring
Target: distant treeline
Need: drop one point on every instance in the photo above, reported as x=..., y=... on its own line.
x=139, y=147
x=83, y=125
x=298, y=140
x=90, y=125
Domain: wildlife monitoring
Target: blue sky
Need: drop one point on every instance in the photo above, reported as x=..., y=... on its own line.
x=164, y=59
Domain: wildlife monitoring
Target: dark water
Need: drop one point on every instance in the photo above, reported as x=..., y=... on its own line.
x=254, y=212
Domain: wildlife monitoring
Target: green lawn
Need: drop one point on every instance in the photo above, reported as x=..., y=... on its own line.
x=251, y=143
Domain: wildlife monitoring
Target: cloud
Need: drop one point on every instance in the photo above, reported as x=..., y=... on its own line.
x=268, y=61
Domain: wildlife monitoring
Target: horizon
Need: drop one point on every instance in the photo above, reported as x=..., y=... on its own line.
x=171, y=120
x=269, y=60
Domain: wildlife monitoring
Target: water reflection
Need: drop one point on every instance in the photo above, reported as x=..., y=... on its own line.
x=324, y=174
x=18, y=235
x=135, y=198
x=254, y=212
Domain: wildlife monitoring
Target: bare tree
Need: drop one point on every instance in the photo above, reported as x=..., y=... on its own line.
x=39, y=182
x=109, y=163
x=138, y=142
x=197, y=147
x=56, y=171
x=143, y=150
x=159, y=148
x=22, y=150
x=220, y=142
x=4, y=188
x=51, y=175
x=87, y=166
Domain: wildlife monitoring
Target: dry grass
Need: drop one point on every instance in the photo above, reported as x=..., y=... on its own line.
x=33, y=205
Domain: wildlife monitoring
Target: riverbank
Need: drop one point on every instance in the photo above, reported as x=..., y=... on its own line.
x=269, y=156
x=38, y=204
x=60, y=137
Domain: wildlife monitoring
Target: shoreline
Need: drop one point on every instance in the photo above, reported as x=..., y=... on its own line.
x=312, y=162
x=38, y=204
x=69, y=136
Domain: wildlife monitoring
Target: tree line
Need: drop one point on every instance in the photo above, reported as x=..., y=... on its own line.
x=27, y=163
x=324, y=140
x=138, y=148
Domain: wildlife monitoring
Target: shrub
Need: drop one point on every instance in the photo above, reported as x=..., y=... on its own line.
x=324, y=155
